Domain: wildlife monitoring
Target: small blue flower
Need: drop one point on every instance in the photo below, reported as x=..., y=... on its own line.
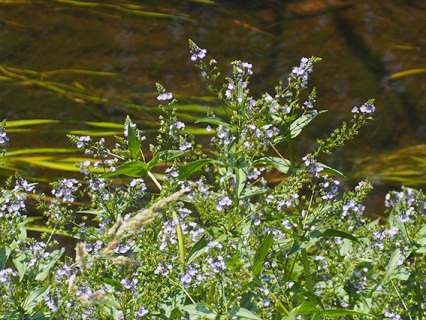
x=165, y=96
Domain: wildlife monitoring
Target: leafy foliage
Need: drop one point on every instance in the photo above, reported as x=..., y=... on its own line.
x=211, y=239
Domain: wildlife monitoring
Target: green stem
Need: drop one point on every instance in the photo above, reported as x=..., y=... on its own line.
x=419, y=300
x=402, y=300
x=180, y=240
x=154, y=180
x=307, y=270
x=290, y=149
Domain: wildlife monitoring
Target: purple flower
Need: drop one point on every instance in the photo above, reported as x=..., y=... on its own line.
x=82, y=141
x=3, y=138
x=196, y=51
x=225, y=201
x=141, y=312
x=366, y=108
x=165, y=96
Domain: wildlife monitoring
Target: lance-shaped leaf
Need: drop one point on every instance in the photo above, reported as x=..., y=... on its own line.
x=328, y=169
x=198, y=249
x=261, y=254
x=132, y=169
x=244, y=313
x=252, y=191
x=200, y=310
x=282, y=165
x=34, y=298
x=297, y=126
x=186, y=170
x=48, y=264
x=309, y=240
x=241, y=172
x=134, y=143
x=164, y=156
x=217, y=121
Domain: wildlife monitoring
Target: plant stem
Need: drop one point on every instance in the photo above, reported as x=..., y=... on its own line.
x=154, y=180
x=180, y=240
x=290, y=149
x=307, y=270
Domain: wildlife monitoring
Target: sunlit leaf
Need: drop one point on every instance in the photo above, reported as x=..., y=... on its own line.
x=134, y=143
x=198, y=249
x=34, y=298
x=297, y=126
x=282, y=165
x=135, y=169
x=200, y=310
x=244, y=313
x=45, y=267
x=330, y=170
x=253, y=191
x=259, y=258
x=332, y=313
x=217, y=121
x=186, y=170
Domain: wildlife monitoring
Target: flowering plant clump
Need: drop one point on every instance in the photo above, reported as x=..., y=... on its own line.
x=212, y=238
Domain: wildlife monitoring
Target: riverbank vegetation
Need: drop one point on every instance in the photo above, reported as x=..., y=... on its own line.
x=195, y=231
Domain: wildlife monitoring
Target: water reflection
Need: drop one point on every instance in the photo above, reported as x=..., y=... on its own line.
x=361, y=42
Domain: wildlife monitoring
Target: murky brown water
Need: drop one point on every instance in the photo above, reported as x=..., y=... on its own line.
x=361, y=42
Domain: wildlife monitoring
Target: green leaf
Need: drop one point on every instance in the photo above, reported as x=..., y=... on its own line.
x=170, y=302
x=101, y=212
x=330, y=170
x=200, y=310
x=217, y=121
x=309, y=240
x=244, y=313
x=186, y=170
x=233, y=263
x=34, y=298
x=197, y=249
x=297, y=126
x=282, y=165
x=164, y=156
x=241, y=172
x=132, y=169
x=134, y=143
x=252, y=191
x=392, y=264
x=45, y=267
x=307, y=308
x=42, y=316
x=4, y=256
x=113, y=283
x=261, y=254
x=342, y=312
x=338, y=233
x=175, y=314
x=21, y=260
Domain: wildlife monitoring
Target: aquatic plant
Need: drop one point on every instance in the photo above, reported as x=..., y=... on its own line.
x=210, y=238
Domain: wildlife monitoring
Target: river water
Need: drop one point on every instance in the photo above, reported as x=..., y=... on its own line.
x=130, y=45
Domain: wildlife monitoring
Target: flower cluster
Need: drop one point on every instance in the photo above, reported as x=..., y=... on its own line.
x=196, y=52
x=245, y=227
x=366, y=108
x=300, y=75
